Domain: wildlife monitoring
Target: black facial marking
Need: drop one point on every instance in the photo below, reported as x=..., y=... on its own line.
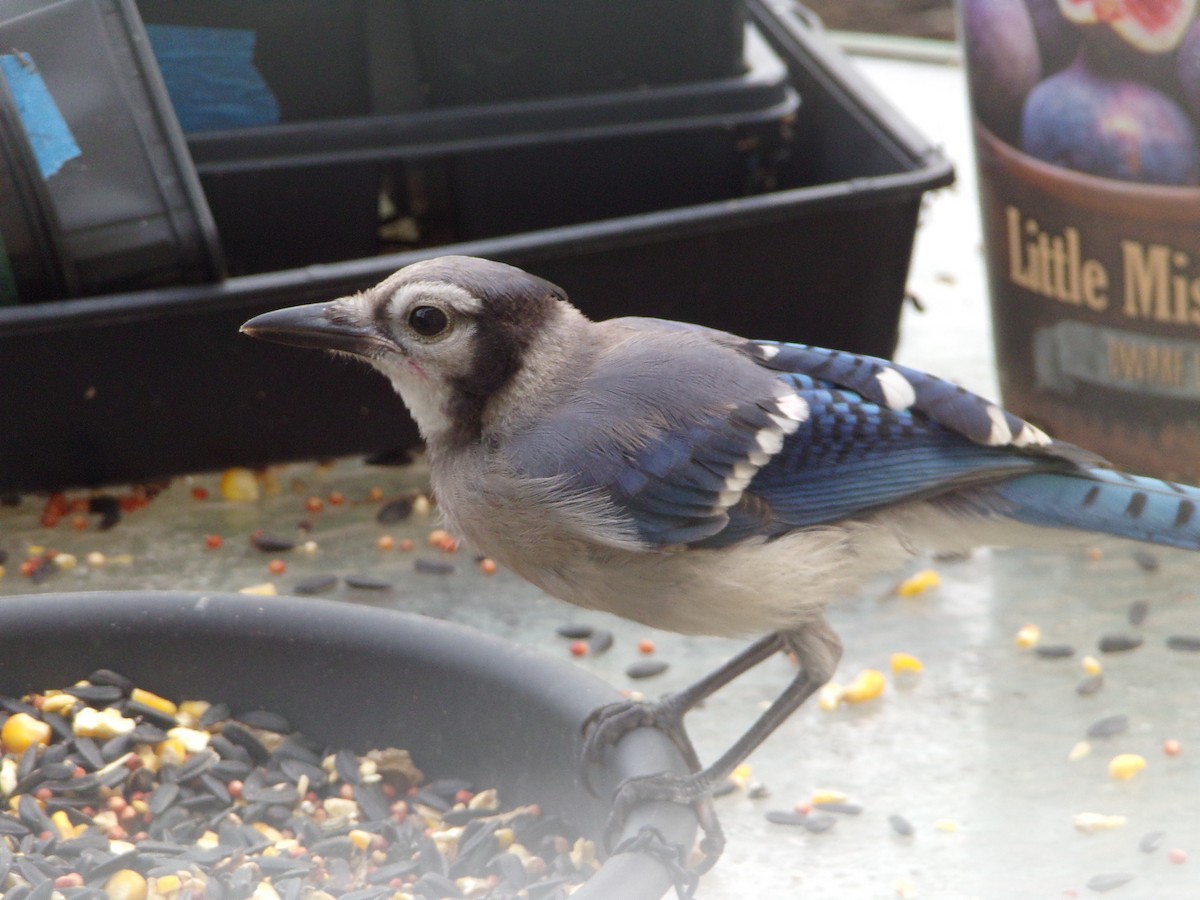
x=516, y=307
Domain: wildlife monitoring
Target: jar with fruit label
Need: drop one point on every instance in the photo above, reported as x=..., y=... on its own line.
x=1086, y=115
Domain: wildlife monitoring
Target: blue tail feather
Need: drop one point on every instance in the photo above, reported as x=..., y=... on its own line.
x=1106, y=501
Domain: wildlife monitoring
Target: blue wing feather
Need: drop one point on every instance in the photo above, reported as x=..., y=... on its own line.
x=876, y=434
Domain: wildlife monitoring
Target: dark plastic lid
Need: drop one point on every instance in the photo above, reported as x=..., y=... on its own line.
x=126, y=207
x=761, y=94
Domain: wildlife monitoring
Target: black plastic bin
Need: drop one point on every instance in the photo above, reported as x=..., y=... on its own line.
x=337, y=58
x=93, y=169
x=473, y=52
x=488, y=170
x=133, y=386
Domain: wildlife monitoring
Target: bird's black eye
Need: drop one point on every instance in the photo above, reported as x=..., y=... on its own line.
x=428, y=321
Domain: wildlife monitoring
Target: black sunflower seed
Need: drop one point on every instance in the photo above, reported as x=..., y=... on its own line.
x=1109, y=726
x=574, y=632
x=646, y=668
x=367, y=583
x=315, y=584
x=265, y=720
x=269, y=543
x=395, y=511
x=1187, y=643
x=1119, y=643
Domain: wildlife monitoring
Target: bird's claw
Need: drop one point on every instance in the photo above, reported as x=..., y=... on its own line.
x=693, y=790
x=673, y=856
x=609, y=723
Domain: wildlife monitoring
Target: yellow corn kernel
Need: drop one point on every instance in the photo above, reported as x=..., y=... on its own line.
x=1090, y=821
x=504, y=838
x=60, y=704
x=488, y=799
x=906, y=662
x=867, y=686
x=828, y=795
x=1091, y=665
x=1126, y=765
x=66, y=561
x=126, y=885
x=271, y=834
x=922, y=581
x=102, y=724
x=192, y=710
x=166, y=885
x=741, y=775
x=239, y=485
x=62, y=824
x=1028, y=636
x=949, y=826
x=192, y=739
x=266, y=589
x=1079, y=751
x=171, y=752
x=21, y=731
x=360, y=839
x=829, y=697
x=420, y=506
x=162, y=704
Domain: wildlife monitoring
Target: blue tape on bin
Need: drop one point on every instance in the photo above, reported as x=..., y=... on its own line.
x=49, y=135
x=210, y=76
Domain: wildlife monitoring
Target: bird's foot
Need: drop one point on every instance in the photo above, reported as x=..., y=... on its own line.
x=608, y=724
x=672, y=855
x=694, y=790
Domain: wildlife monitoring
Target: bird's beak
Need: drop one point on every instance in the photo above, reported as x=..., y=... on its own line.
x=320, y=326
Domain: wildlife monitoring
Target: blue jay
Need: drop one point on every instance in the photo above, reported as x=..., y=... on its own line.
x=701, y=482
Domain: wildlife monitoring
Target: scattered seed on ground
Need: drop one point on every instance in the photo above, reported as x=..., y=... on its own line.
x=1119, y=643
x=1089, y=685
x=1090, y=822
x=1186, y=643
x=1172, y=747
x=819, y=823
x=1054, y=651
x=433, y=566
x=395, y=511
x=1109, y=726
x=1151, y=841
x=646, y=668
x=1125, y=766
x=600, y=642
x=578, y=648
x=574, y=632
x=367, y=583
x=901, y=825
x=1146, y=560
x=1108, y=881
x=1138, y=610
x=1177, y=856
x=846, y=809
x=784, y=817
x=725, y=788
x=758, y=791
x=1028, y=636
x=315, y=584
x=269, y=543
x=646, y=646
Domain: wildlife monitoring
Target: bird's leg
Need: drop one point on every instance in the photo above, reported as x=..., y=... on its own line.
x=817, y=649
x=605, y=726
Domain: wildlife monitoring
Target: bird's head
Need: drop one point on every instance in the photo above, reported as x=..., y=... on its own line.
x=449, y=333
